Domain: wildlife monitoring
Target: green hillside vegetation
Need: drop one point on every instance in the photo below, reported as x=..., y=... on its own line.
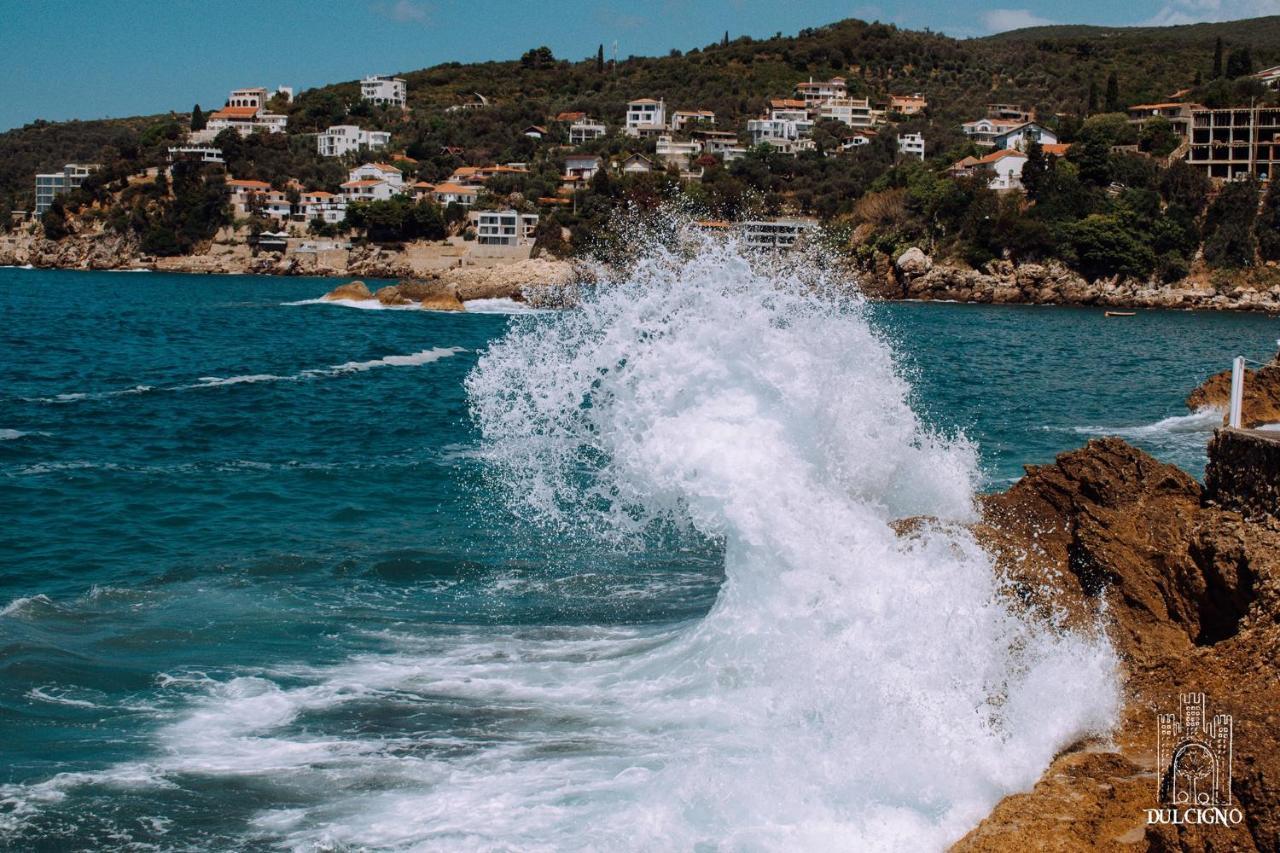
x=1100, y=211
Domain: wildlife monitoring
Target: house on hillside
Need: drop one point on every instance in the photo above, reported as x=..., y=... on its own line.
x=908, y=105
x=1270, y=77
x=377, y=89
x=814, y=93
x=582, y=166
x=646, y=117
x=325, y=206
x=583, y=129
x=50, y=185
x=680, y=154
x=682, y=118
x=343, y=139
x=1004, y=166
x=779, y=233
x=1015, y=113
x=446, y=194
x=257, y=198
x=637, y=163
x=984, y=131
x=911, y=145
x=503, y=227
x=535, y=131
x=1178, y=115
x=1024, y=134
x=196, y=154
x=853, y=112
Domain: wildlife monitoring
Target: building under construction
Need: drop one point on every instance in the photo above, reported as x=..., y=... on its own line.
x=1232, y=143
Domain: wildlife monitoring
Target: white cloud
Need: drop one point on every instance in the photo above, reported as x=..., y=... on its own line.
x=404, y=11
x=1196, y=11
x=1003, y=20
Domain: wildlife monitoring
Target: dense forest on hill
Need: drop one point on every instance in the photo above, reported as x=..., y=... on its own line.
x=1100, y=210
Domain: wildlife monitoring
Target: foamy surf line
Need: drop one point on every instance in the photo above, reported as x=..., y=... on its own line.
x=1199, y=421
x=501, y=305
x=426, y=356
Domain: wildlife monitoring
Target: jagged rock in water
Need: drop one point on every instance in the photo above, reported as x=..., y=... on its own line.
x=1261, y=402
x=356, y=290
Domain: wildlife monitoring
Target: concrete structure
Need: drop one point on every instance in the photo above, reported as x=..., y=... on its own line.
x=984, y=131
x=1270, y=77
x=585, y=129
x=1015, y=113
x=1179, y=115
x=390, y=91
x=781, y=233
x=503, y=227
x=911, y=145
x=377, y=172
x=257, y=198
x=1233, y=143
x=646, y=117
x=50, y=185
x=1004, y=166
x=321, y=205
x=343, y=139
x=197, y=153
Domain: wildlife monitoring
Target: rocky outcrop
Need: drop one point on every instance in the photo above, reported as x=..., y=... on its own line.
x=1261, y=400
x=1243, y=473
x=914, y=275
x=507, y=280
x=1190, y=595
x=355, y=290
x=442, y=302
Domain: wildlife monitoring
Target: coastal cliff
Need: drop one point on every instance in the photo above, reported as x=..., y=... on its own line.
x=1189, y=589
x=1260, y=401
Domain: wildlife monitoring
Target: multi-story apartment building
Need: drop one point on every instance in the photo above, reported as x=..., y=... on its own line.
x=585, y=129
x=1236, y=142
x=1178, y=114
x=646, y=117
x=384, y=90
x=814, y=92
x=196, y=153
x=781, y=233
x=343, y=139
x=854, y=112
x=50, y=185
x=503, y=227
x=911, y=145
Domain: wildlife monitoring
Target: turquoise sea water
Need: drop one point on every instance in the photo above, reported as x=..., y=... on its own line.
x=232, y=521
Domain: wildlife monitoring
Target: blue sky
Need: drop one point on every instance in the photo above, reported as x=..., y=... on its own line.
x=93, y=58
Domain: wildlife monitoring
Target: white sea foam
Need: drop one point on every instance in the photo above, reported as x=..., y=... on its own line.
x=1199, y=422
x=11, y=434
x=46, y=694
x=473, y=306
x=501, y=306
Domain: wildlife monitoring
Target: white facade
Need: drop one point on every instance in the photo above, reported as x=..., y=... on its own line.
x=53, y=184
x=254, y=97
x=814, y=92
x=775, y=233
x=1023, y=135
x=447, y=194
x=201, y=153
x=985, y=130
x=681, y=118
x=855, y=112
x=377, y=172
x=503, y=227
x=911, y=145
x=1007, y=166
x=646, y=117
x=680, y=153
x=344, y=138
x=324, y=206
x=585, y=129
x=582, y=166
x=384, y=90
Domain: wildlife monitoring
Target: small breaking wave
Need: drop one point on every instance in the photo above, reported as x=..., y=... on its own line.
x=1200, y=421
x=421, y=357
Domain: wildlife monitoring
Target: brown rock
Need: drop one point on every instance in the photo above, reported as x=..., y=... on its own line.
x=357, y=290
x=442, y=302
x=1261, y=395
x=391, y=295
x=1190, y=595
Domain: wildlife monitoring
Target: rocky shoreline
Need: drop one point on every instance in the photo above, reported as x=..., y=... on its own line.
x=916, y=276
x=912, y=276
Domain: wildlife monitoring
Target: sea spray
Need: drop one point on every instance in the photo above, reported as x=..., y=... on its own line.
x=851, y=688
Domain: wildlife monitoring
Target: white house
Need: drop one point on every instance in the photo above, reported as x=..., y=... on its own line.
x=585, y=129
x=322, y=205
x=680, y=153
x=368, y=189
x=250, y=198
x=377, y=172
x=503, y=227
x=726, y=147
x=447, y=194
x=911, y=145
x=1023, y=135
x=1270, y=77
x=582, y=166
x=814, y=93
x=646, y=117
x=1005, y=165
x=342, y=139
x=855, y=112
x=196, y=153
x=384, y=90
x=984, y=131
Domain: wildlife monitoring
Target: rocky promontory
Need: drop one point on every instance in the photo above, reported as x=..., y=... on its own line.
x=1188, y=589
x=538, y=281
x=1260, y=401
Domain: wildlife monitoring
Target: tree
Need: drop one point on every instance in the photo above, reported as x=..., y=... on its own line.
x=1239, y=63
x=54, y=221
x=198, y=121
x=725, y=41
x=1113, y=93
x=1158, y=137
x=1229, y=237
x=1035, y=170
x=1104, y=246
x=1093, y=98
x=1217, y=58
x=539, y=57
x=1268, y=226
x=600, y=60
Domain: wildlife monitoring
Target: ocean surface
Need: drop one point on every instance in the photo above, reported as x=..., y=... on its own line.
x=284, y=575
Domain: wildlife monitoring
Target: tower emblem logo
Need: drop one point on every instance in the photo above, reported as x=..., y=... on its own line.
x=1193, y=762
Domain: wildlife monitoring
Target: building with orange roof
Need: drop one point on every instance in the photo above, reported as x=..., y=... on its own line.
x=908, y=105
x=1005, y=167
x=246, y=113
x=446, y=194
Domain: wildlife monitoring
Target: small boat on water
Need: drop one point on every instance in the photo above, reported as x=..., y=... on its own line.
x=1119, y=313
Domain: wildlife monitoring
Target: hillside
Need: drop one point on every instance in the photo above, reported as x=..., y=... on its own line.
x=1050, y=68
